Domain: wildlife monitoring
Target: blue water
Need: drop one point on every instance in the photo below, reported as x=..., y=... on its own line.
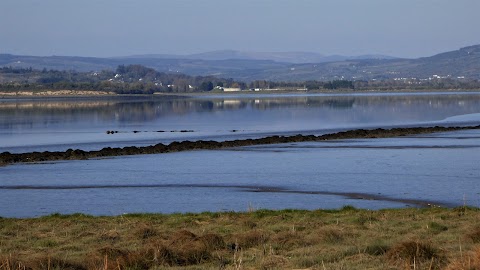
x=440, y=169
x=60, y=124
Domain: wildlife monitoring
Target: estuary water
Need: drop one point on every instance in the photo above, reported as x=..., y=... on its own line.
x=433, y=169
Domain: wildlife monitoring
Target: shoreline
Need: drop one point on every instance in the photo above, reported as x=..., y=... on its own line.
x=324, y=91
x=42, y=94
x=409, y=203
x=54, y=93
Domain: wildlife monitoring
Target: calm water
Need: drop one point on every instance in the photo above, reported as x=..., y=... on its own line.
x=62, y=124
x=439, y=169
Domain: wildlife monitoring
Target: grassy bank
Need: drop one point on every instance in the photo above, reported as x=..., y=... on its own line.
x=432, y=238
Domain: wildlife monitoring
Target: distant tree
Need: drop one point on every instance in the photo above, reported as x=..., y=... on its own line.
x=242, y=85
x=121, y=69
x=209, y=86
x=206, y=86
x=313, y=85
x=342, y=84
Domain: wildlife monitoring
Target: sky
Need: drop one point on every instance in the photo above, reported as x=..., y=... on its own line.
x=105, y=28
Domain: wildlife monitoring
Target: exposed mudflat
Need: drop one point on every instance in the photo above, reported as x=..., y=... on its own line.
x=241, y=188
x=10, y=158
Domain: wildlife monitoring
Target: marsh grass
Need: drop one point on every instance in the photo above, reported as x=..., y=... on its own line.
x=437, y=227
x=347, y=238
x=470, y=261
x=474, y=235
x=416, y=254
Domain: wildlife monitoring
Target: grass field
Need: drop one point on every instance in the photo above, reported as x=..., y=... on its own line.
x=348, y=238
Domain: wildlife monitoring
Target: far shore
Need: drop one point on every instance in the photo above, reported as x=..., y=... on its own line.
x=54, y=93
x=26, y=94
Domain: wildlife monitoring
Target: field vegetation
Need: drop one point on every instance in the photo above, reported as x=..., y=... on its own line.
x=433, y=238
x=138, y=79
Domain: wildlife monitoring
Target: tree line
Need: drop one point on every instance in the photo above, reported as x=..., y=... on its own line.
x=138, y=79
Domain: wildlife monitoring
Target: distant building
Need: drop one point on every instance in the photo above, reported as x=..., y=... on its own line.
x=231, y=89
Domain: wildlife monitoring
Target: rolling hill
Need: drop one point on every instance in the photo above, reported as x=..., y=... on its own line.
x=292, y=66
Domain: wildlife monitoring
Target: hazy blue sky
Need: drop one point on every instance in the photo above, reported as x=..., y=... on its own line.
x=406, y=28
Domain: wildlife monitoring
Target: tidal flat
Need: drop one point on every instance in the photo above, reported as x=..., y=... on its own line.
x=436, y=169
x=268, y=151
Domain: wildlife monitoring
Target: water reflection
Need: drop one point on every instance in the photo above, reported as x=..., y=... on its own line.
x=213, y=116
x=131, y=110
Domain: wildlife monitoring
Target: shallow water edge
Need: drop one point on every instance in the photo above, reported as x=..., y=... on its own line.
x=245, y=188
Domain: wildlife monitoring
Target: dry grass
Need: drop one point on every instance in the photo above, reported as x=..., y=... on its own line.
x=469, y=262
x=322, y=239
x=416, y=255
x=474, y=235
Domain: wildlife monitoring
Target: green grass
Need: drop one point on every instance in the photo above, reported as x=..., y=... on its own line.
x=346, y=238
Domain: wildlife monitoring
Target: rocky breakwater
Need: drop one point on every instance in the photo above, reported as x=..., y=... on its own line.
x=11, y=158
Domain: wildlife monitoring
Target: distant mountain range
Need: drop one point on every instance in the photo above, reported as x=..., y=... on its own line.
x=283, y=57
x=275, y=66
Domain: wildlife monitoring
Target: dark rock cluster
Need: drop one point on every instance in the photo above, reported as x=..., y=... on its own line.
x=10, y=158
